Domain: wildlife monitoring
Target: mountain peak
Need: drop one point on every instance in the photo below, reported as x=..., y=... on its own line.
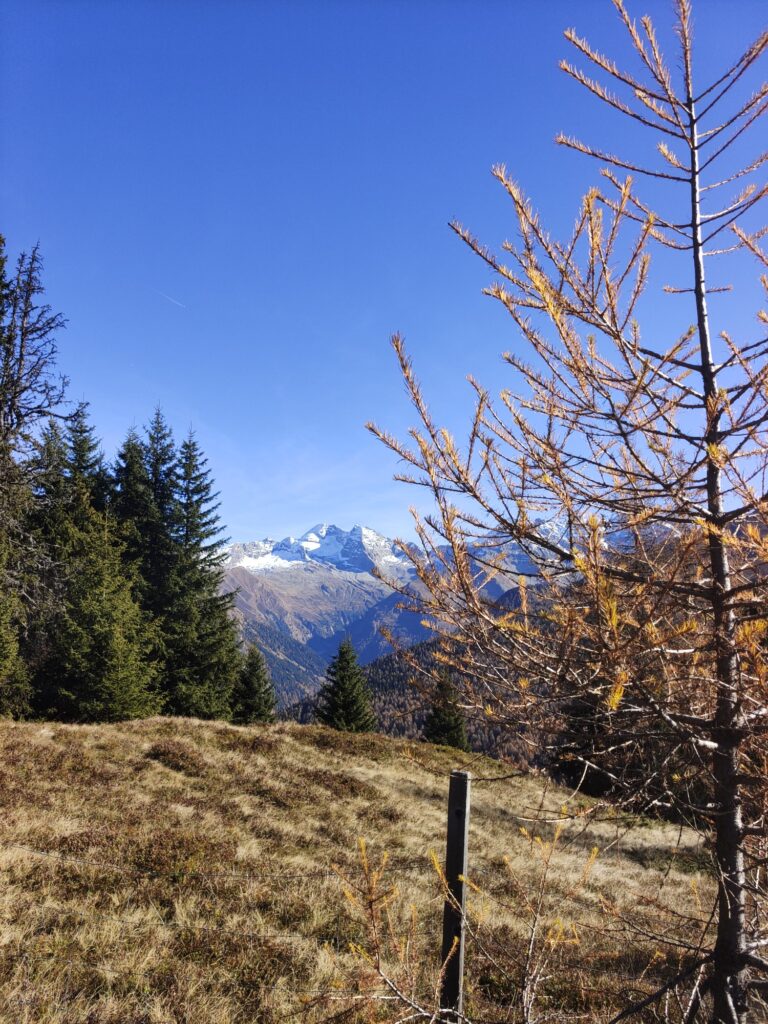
x=358, y=550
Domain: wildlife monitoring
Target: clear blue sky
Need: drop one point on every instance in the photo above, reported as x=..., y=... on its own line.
x=238, y=202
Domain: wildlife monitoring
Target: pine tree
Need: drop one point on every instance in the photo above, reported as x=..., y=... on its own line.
x=253, y=699
x=344, y=702
x=203, y=660
x=445, y=723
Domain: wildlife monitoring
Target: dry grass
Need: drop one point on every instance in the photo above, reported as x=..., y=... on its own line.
x=186, y=874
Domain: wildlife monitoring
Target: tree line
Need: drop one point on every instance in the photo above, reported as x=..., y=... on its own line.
x=110, y=604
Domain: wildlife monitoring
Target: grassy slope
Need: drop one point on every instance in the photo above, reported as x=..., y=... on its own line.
x=185, y=877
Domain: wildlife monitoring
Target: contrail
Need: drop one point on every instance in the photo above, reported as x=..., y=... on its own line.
x=170, y=298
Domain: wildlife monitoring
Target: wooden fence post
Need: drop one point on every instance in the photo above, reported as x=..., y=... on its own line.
x=452, y=988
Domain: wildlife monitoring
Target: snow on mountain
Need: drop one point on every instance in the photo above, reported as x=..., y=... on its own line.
x=358, y=550
x=310, y=592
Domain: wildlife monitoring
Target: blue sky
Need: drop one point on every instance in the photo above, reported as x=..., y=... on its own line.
x=238, y=203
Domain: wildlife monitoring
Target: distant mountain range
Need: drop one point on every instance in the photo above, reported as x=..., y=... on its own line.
x=299, y=597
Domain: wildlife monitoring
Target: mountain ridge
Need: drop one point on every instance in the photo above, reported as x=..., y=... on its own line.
x=328, y=584
x=315, y=590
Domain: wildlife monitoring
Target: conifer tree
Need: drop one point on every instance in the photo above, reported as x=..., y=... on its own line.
x=133, y=507
x=344, y=702
x=47, y=515
x=89, y=650
x=253, y=698
x=86, y=459
x=31, y=390
x=99, y=666
x=17, y=583
x=203, y=660
x=15, y=690
x=445, y=722
x=160, y=529
x=613, y=429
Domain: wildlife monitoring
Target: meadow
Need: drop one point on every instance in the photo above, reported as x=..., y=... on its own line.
x=173, y=870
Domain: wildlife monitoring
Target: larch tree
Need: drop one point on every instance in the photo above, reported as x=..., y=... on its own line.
x=31, y=388
x=632, y=469
x=31, y=391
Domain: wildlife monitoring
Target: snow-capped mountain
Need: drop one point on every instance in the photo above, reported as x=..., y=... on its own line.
x=357, y=550
x=299, y=597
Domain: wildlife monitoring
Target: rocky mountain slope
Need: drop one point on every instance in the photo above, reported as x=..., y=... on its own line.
x=299, y=597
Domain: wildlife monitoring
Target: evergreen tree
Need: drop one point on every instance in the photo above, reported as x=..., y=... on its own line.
x=344, y=701
x=86, y=459
x=445, y=723
x=253, y=699
x=88, y=647
x=203, y=659
x=161, y=526
x=99, y=666
x=15, y=690
x=133, y=507
x=49, y=512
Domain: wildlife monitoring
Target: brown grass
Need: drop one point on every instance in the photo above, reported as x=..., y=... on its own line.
x=179, y=871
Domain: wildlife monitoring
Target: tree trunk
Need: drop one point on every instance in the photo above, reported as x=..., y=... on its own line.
x=729, y=978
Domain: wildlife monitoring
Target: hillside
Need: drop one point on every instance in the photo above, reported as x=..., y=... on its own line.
x=401, y=703
x=179, y=871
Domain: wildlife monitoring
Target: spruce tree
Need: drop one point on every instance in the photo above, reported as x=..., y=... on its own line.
x=132, y=504
x=99, y=666
x=160, y=529
x=89, y=650
x=86, y=459
x=17, y=583
x=203, y=660
x=15, y=690
x=445, y=723
x=344, y=701
x=253, y=698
